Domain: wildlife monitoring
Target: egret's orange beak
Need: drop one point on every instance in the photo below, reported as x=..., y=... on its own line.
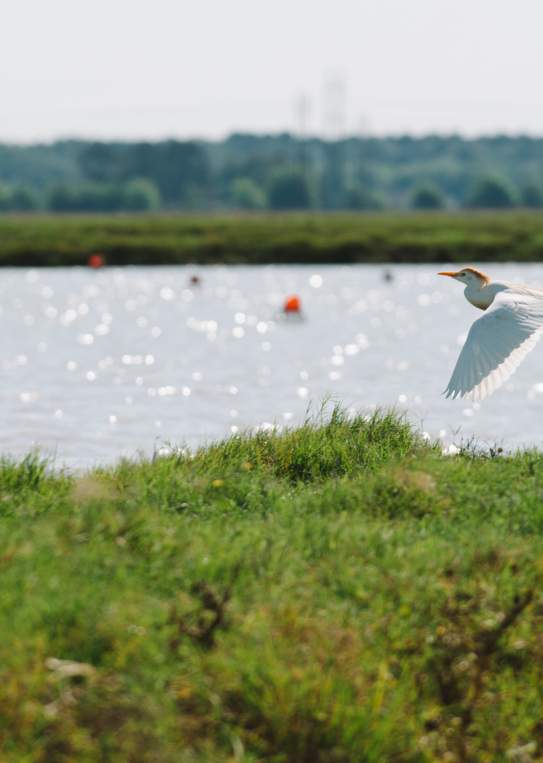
x=447, y=273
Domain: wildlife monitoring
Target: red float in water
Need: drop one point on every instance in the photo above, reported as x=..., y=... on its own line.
x=96, y=261
x=292, y=304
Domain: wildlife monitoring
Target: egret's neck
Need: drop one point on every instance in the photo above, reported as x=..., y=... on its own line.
x=482, y=294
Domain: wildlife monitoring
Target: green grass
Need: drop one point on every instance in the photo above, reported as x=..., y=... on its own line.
x=318, y=238
x=338, y=592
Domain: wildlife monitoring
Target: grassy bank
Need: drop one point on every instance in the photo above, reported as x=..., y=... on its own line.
x=319, y=238
x=342, y=592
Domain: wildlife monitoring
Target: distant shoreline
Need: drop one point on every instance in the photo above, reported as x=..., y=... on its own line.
x=318, y=238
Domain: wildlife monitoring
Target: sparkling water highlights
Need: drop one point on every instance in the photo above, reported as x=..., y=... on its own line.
x=100, y=364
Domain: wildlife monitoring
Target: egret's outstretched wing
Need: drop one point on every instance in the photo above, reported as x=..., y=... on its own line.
x=497, y=343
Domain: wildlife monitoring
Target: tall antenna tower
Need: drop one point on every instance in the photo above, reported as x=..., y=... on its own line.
x=334, y=106
x=302, y=111
x=363, y=127
x=302, y=108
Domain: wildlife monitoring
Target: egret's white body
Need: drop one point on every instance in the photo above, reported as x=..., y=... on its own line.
x=500, y=339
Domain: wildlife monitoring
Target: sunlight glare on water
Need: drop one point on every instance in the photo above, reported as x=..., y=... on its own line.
x=97, y=365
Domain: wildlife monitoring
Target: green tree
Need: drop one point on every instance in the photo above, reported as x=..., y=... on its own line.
x=289, y=189
x=99, y=197
x=427, y=197
x=5, y=198
x=180, y=170
x=491, y=193
x=140, y=195
x=246, y=194
x=532, y=197
x=102, y=162
x=357, y=198
x=25, y=199
x=88, y=197
x=61, y=198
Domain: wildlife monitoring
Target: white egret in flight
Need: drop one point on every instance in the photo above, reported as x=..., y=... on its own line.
x=500, y=339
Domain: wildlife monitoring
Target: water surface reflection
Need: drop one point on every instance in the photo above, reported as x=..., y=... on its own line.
x=99, y=364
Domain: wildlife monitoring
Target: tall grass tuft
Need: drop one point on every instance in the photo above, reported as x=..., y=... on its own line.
x=340, y=591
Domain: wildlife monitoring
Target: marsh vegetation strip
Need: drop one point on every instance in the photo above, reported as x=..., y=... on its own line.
x=96, y=365
x=340, y=592
x=267, y=239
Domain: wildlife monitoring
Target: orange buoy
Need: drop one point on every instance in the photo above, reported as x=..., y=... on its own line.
x=96, y=261
x=293, y=304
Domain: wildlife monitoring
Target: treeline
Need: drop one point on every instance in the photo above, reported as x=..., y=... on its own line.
x=278, y=172
x=133, y=196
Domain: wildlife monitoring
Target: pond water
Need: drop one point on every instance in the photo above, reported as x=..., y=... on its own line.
x=96, y=365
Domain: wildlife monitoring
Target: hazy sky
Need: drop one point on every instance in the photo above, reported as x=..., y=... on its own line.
x=135, y=69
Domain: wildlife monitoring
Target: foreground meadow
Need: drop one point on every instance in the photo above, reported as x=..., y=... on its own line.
x=31, y=240
x=339, y=592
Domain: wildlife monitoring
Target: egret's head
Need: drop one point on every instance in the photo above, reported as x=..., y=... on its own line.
x=468, y=276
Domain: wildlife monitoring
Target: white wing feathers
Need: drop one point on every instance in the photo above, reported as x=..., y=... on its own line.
x=497, y=343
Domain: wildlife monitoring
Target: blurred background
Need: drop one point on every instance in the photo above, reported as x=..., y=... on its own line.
x=292, y=171
x=110, y=107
